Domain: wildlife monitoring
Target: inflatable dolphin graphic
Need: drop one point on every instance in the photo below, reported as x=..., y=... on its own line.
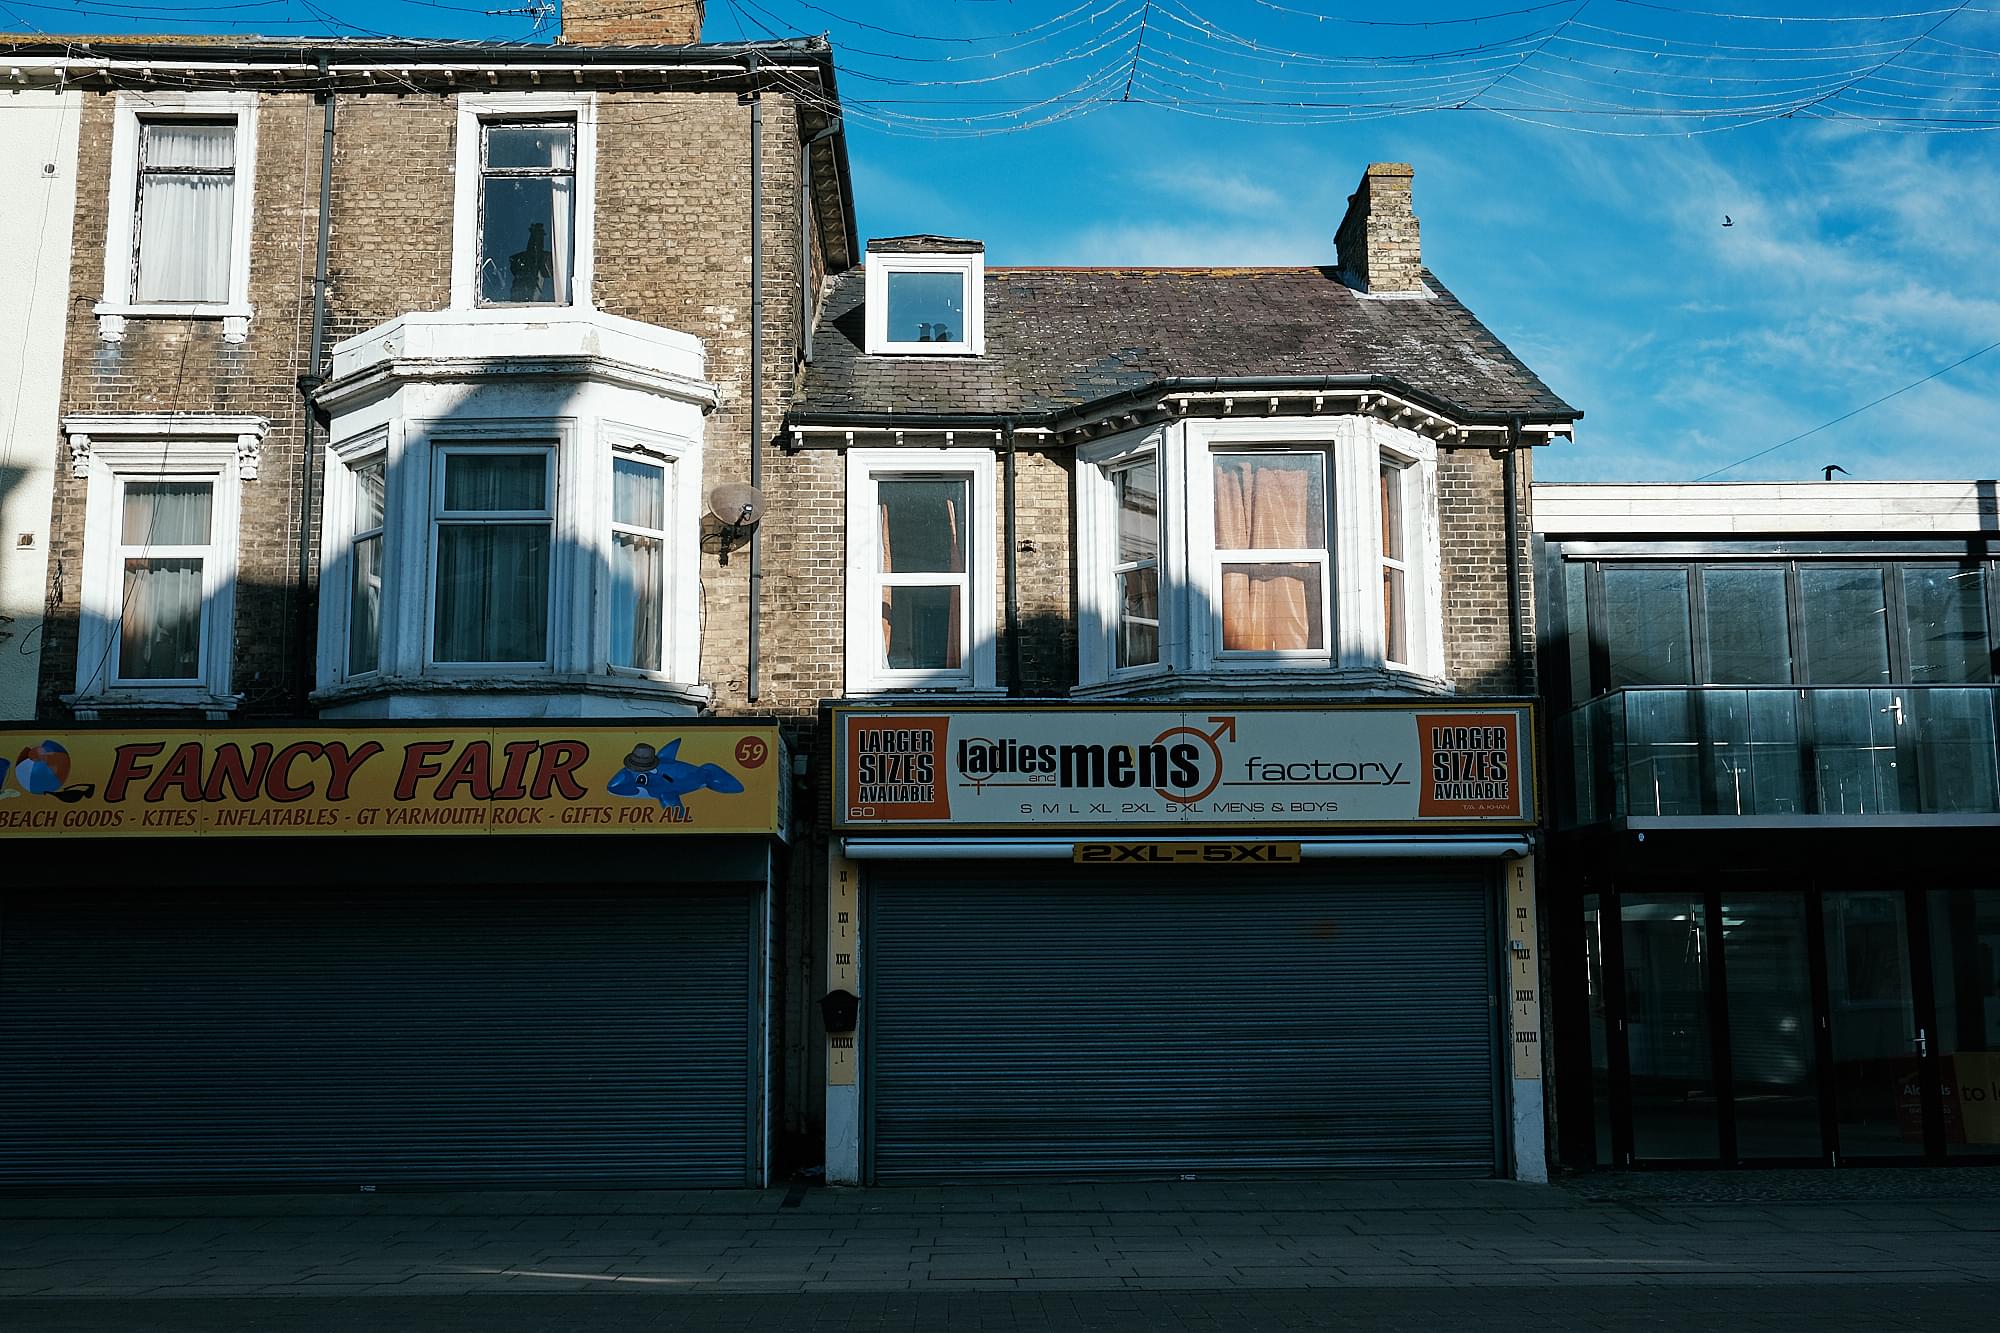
x=661, y=775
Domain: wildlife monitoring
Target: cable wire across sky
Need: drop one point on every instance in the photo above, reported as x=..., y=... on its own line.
x=1627, y=68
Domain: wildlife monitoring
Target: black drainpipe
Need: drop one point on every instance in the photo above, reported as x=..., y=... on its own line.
x=1013, y=571
x=309, y=383
x=752, y=668
x=1510, y=480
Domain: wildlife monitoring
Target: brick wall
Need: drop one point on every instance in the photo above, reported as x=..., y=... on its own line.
x=1045, y=568
x=185, y=366
x=673, y=249
x=631, y=22
x=1472, y=532
x=1378, y=238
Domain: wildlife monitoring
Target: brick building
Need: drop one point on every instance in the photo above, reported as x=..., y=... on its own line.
x=500, y=457
x=397, y=381
x=1185, y=765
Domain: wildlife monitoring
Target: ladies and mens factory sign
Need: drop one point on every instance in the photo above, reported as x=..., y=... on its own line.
x=670, y=778
x=1188, y=769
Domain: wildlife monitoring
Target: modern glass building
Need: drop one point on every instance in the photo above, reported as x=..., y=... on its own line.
x=1771, y=884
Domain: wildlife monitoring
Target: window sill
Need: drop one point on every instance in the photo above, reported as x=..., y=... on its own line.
x=1269, y=682
x=943, y=351
x=526, y=694
x=111, y=317
x=153, y=699
x=877, y=691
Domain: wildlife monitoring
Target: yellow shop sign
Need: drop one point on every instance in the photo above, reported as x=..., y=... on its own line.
x=646, y=778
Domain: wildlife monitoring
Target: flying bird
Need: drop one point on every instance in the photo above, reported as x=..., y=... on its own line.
x=1727, y=221
x=1832, y=468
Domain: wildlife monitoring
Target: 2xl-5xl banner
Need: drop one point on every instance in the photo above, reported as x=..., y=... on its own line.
x=1156, y=767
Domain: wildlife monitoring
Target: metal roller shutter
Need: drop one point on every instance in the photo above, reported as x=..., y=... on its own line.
x=1095, y=1025
x=398, y=1038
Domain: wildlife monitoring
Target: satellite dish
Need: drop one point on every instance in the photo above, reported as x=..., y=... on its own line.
x=733, y=510
x=736, y=505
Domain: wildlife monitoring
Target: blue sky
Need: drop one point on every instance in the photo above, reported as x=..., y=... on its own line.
x=1580, y=214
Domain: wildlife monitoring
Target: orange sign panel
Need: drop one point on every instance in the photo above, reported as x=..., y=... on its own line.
x=1471, y=765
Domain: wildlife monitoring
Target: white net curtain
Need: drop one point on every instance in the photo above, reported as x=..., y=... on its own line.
x=187, y=211
x=162, y=526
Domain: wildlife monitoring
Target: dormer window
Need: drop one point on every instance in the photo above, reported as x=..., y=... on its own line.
x=926, y=296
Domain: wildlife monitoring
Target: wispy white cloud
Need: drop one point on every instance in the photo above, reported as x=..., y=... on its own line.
x=1277, y=242
x=1212, y=188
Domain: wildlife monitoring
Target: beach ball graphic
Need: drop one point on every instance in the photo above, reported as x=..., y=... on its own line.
x=42, y=769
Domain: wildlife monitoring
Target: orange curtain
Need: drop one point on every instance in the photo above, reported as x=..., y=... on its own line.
x=1264, y=607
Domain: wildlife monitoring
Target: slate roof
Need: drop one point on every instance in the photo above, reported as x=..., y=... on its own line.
x=1061, y=338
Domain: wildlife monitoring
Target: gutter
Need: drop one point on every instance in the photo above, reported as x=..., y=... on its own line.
x=1239, y=386
x=1009, y=536
x=308, y=383
x=753, y=666
x=716, y=56
x=1510, y=482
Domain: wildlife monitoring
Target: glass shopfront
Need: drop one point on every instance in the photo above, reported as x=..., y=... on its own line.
x=1834, y=1025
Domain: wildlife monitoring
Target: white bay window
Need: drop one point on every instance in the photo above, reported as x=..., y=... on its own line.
x=537, y=564
x=1300, y=553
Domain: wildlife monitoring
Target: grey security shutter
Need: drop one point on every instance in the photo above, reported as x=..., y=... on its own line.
x=1101, y=1022
x=382, y=1039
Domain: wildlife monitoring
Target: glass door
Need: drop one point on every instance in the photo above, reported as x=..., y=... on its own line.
x=1965, y=974
x=1880, y=1048
x=1773, y=1050
x=1794, y=1026
x=1669, y=1050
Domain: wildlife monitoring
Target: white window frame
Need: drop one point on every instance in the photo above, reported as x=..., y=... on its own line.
x=107, y=452
x=1407, y=571
x=971, y=266
x=680, y=618
x=614, y=527
x=1423, y=562
x=208, y=552
x=581, y=505
x=343, y=505
x=121, y=237
x=867, y=673
x=1097, y=544
x=1208, y=574
x=474, y=111
x=1190, y=595
x=439, y=518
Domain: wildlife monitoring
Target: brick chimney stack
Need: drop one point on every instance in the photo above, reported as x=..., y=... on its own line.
x=1377, y=241
x=631, y=22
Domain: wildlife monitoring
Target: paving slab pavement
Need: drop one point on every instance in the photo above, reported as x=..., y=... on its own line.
x=1865, y=1234
x=1511, y=1310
